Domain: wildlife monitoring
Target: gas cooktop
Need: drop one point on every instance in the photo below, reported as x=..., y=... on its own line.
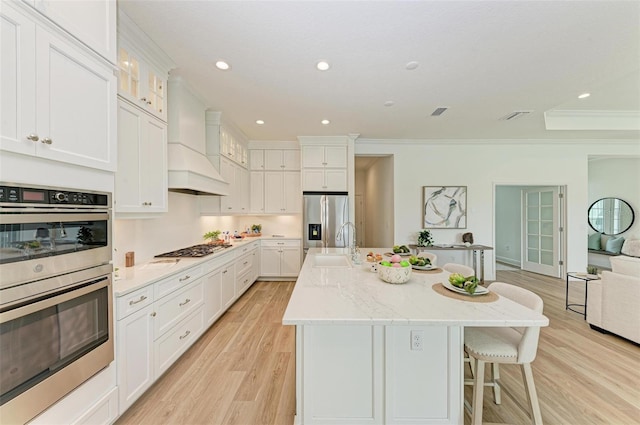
x=195, y=251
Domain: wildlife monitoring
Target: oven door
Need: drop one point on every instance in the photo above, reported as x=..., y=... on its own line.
x=50, y=345
x=37, y=244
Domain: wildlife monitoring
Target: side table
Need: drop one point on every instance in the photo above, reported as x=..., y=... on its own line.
x=584, y=277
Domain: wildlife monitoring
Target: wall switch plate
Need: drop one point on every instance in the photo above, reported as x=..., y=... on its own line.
x=417, y=340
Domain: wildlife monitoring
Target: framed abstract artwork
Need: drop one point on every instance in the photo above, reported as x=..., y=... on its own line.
x=444, y=207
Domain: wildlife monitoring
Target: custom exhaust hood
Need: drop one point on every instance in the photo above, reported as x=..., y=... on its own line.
x=189, y=169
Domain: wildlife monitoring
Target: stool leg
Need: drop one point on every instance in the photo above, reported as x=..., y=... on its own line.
x=532, y=396
x=495, y=375
x=478, y=393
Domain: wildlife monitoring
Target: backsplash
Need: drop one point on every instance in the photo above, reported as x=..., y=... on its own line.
x=183, y=226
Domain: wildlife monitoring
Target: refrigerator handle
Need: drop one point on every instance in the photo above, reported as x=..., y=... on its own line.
x=323, y=219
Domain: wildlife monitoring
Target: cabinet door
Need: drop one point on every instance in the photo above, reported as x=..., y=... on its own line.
x=270, y=261
x=255, y=264
x=242, y=190
x=291, y=160
x=256, y=204
x=17, y=82
x=76, y=105
x=273, y=192
x=313, y=179
x=335, y=156
x=290, y=261
x=335, y=179
x=212, y=296
x=228, y=173
x=134, y=356
x=273, y=160
x=228, y=283
x=92, y=22
x=153, y=165
x=256, y=159
x=313, y=157
x=292, y=192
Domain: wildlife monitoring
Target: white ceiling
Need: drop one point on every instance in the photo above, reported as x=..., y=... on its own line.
x=481, y=59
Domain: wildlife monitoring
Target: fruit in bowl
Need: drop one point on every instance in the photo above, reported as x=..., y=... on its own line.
x=469, y=283
x=401, y=249
x=395, y=271
x=419, y=261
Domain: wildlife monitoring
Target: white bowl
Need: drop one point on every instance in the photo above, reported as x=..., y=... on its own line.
x=394, y=274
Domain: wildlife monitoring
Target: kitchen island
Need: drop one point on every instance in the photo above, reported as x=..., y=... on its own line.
x=368, y=352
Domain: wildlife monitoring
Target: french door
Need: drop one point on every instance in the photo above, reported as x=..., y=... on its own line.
x=541, y=241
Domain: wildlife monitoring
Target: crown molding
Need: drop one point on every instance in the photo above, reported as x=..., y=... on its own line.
x=591, y=120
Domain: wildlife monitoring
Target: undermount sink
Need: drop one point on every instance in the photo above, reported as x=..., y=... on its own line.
x=331, y=260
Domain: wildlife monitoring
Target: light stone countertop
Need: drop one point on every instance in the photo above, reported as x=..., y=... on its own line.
x=354, y=295
x=140, y=275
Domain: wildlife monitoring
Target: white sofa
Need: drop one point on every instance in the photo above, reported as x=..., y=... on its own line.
x=613, y=303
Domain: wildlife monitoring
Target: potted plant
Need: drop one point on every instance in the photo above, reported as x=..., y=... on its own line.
x=256, y=228
x=424, y=238
x=212, y=236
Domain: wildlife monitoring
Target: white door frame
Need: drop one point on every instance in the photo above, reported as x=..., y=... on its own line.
x=562, y=220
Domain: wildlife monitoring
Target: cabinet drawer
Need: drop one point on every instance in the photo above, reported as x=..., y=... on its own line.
x=279, y=243
x=170, y=310
x=247, y=248
x=218, y=262
x=244, y=263
x=130, y=303
x=172, y=283
x=174, y=343
x=243, y=282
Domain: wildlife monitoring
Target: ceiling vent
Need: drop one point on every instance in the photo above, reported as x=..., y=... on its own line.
x=438, y=111
x=515, y=115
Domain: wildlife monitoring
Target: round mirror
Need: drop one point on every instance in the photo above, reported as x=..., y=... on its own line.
x=610, y=216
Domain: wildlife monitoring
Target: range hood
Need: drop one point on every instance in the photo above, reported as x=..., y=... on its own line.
x=191, y=172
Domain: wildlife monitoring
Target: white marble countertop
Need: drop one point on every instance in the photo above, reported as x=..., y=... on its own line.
x=354, y=295
x=132, y=278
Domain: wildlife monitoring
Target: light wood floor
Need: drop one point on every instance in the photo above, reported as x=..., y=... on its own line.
x=242, y=370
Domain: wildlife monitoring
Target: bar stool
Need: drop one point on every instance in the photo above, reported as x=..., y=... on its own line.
x=465, y=271
x=504, y=345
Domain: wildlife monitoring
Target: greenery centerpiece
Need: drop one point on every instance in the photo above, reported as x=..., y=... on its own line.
x=425, y=238
x=256, y=228
x=212, y=236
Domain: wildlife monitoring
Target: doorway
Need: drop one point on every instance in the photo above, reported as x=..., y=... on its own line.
x=529, y=228
x=374, y=201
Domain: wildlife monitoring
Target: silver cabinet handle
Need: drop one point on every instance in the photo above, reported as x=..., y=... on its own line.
x=280, y=243
x=153, y=314
x=144, y=99
x=139, y=300
x=47, y=141
x=147, y=203
x=245, y=263
x=186, y=334
x=33, y=137
x=225, y=271
x=182, y=279
x=187, y=301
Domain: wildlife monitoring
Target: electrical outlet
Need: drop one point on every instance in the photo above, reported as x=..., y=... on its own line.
x=417, y=340
x=507, y=248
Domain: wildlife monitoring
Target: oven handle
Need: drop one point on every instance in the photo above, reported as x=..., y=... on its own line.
x=58, y=297
x=56, y=217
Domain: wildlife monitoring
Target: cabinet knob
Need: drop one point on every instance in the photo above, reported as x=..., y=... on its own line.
x=144, y=99
x=33, y=137
x=153, y=314
x=47, y=141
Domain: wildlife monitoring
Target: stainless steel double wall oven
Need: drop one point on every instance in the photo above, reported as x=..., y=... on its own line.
x=56, y=302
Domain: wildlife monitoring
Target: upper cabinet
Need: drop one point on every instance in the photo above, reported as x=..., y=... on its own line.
x=324, y=156
x=57, y=98
x=233, y=147
x=281, y=160
x=92, y=22
x=324, y=166
x=143, y=69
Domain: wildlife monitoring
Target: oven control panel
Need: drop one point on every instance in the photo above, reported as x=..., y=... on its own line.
x=20, y=195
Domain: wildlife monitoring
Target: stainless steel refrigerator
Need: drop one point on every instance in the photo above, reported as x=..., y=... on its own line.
x=324, y=214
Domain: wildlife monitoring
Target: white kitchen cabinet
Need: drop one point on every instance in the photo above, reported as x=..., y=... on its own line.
x=175, y=307
x=47, y=83
x=233, y=147
x=238, y=178
x=281, y=160
x=320, y=156
x=212, y=283
x=134, y=354
x=228, y=285
x=256, y=189
x=141, y=179
x=282, y=192
x=256, y=159
x=91, y=22
x=280, y=258
x=174, y=343
x=318, y=179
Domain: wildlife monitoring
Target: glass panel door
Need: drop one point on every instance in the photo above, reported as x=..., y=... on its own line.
x=541, y=231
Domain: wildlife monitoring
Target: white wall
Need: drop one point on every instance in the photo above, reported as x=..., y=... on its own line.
x=508, y=224
x=480, y=165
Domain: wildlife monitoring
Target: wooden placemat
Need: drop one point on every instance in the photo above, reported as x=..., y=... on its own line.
x=436, y=270
x=489, y=298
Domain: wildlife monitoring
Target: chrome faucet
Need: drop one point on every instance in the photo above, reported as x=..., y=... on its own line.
x=353, y=249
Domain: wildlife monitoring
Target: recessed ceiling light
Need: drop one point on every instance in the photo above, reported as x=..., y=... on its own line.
x=323, y=66
x=259, y=122
x=412, y=65
x=584, y=95
x=222, y=65
x=325, y=122
x=389, y=103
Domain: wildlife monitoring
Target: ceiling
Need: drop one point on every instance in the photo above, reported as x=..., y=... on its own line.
x=481, y=59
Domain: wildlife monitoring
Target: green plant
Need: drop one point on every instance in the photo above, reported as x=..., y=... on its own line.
x=256, y=228
x=424, y=238
x=212, y=236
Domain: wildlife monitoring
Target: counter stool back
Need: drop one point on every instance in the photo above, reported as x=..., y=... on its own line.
x=466, y=271
x=504, y=345
x=430, y=255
